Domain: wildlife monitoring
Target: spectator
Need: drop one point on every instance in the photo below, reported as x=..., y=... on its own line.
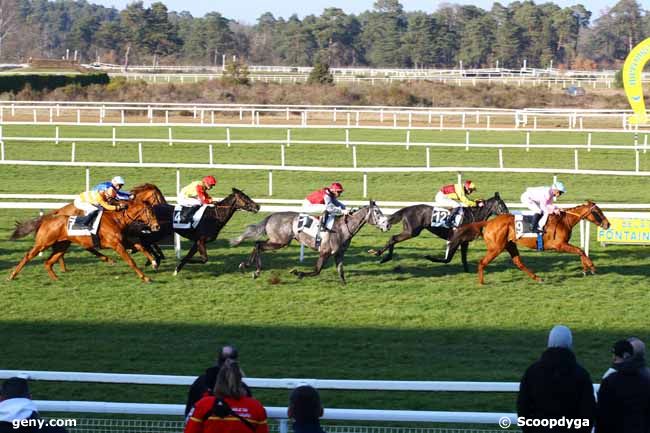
x=557, y=386
x=636, y=361
x=204, y=384
x=229, y=410
x=624, y=395
x=16, y=405
x=305, y=409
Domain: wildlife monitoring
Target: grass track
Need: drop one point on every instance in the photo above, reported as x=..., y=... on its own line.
x=426, y=322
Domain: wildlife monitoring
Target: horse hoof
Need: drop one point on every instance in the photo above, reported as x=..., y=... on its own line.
x=373, y=252
x=593, y=271
x=242, y=266
x=146, y=280
x=540, y=281
x=584, y=273
x=255, y=275
x=154, y=266
x=175, y=272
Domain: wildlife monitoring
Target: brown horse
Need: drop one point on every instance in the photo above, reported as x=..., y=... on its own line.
x=51, y=231
x=499, y=234
x=148, y=193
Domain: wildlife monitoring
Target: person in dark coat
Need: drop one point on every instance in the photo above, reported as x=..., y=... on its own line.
x=624, y=394
x=305, y=409
x=556, y=386
x=16, y=405
x=204, y=384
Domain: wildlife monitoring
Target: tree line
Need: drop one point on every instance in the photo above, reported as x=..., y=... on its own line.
x=386, y=36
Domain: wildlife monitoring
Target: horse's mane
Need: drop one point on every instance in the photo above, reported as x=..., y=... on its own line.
x=148, y=187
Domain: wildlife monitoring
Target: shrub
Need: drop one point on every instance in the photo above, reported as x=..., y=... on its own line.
x=320, y=74
x=236, y=73
x=38, y=82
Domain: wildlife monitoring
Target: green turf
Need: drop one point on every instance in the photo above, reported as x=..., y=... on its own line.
x=419, y=321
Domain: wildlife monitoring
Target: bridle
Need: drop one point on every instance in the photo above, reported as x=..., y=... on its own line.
x=586, y=213
x=135, y=218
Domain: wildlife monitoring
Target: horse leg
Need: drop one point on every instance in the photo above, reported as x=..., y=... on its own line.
x=58, y=250
x=203, y=251
x=101, y=256
x=187, y=258
x=260, y=247
x=155, y=249
x=121, y=251
x=400, y=237
x=28, y=256
x=587, y=264
x=338, y=258
x=516, y=259
x=322, y=259
x=491, y=255
x=150, y=258
x=463, y=255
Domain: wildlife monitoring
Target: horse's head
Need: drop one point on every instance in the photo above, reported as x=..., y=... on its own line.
x=594, y=214
x=148, y=192
x=244, y=202
x=496, y=205
x=143, y=212
x=377, y=218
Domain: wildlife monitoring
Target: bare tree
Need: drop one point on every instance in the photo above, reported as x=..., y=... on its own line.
x=8, y=20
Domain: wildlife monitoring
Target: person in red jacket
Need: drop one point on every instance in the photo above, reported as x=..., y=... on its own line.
x=229, y=410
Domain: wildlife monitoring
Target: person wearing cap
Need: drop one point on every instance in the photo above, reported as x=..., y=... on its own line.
x=204, y=384
x=541, y=201
x=456, y=197
x=639, y=354
x=326, y=200
x=194, y=195
x=117, y=183
x=557, y=386
x=90, y=202
x=16, y=405
x=624, y=395
x=305, y=409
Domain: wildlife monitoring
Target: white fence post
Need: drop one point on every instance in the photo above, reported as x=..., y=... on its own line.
x=228, y=136
x=140, y=152
x=56, y=135
x=73, y=151
x=408, y=140
x=270, y=183
x=575, y=158
x=288, y=138
x=500, y=158
x=365, y=185
x=282, y=155
x=2, y=150
x=527, y=141
x=467, y=140
x=87, y=179
x=428, y=157
x=211, y=151
x=442, y=121
x=78, y=117
x=589, y=142
x=354, y=156
x=114, y=136
x=347, y=138
x=356, y=118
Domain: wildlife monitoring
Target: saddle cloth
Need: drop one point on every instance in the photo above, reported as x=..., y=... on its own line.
x=186, y=217
x=307, y=224
x=440, y=217
x=523, y=224
x=75, y=229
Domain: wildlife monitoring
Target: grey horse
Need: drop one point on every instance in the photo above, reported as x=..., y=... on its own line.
x=280, y=228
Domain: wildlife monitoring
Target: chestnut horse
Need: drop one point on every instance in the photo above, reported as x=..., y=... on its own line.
x=51, y=231
x=499, y=234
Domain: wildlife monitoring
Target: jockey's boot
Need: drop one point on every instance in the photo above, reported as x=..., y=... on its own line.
x=535, y=223
x=87, y=220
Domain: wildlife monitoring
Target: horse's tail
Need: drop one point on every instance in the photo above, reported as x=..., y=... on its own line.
x=26, y=227
x=253, y=231
x=396, y=217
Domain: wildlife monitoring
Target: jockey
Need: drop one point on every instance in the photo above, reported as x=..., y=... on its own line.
x=116, y=183
x=455, y=195
x=91, y=201
x=326, y=200
x=540, y=200
x=196, y=193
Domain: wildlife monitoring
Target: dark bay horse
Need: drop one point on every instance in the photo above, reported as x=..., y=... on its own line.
x=280, y=230
x=51, y=231
x=418, y=217
x=499, y=234
x=213, y=220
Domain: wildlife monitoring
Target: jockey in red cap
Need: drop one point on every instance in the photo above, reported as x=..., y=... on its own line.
x=325, y=200
x=194, y=195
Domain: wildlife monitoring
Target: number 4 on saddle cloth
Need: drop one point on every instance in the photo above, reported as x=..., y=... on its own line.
x=186, y=217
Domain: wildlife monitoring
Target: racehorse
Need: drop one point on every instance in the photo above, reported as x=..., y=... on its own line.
x=280, y=230
x=51, y=231
x=418, y=217
x=145, y=193
x=213, y=220
x=499, y=234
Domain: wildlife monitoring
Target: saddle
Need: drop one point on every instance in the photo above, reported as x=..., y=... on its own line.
x=186, y=217
x=445, y=218
x=85, y=225
x=307, y=224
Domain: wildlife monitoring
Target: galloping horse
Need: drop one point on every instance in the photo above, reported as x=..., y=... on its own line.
x=418, y=217
x=279, y=227
x=51, y=231
x=213, y=220
x=499, y=234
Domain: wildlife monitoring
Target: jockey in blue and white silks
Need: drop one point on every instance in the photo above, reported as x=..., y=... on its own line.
x=116, y=183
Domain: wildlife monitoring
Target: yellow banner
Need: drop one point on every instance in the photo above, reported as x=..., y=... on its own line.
x=632, y=70
x=625, y=231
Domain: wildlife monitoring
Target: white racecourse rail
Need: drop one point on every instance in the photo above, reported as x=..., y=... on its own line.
x=277, y=412
x=101, y=113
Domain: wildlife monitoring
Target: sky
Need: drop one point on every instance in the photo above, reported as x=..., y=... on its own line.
x=248, y=11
